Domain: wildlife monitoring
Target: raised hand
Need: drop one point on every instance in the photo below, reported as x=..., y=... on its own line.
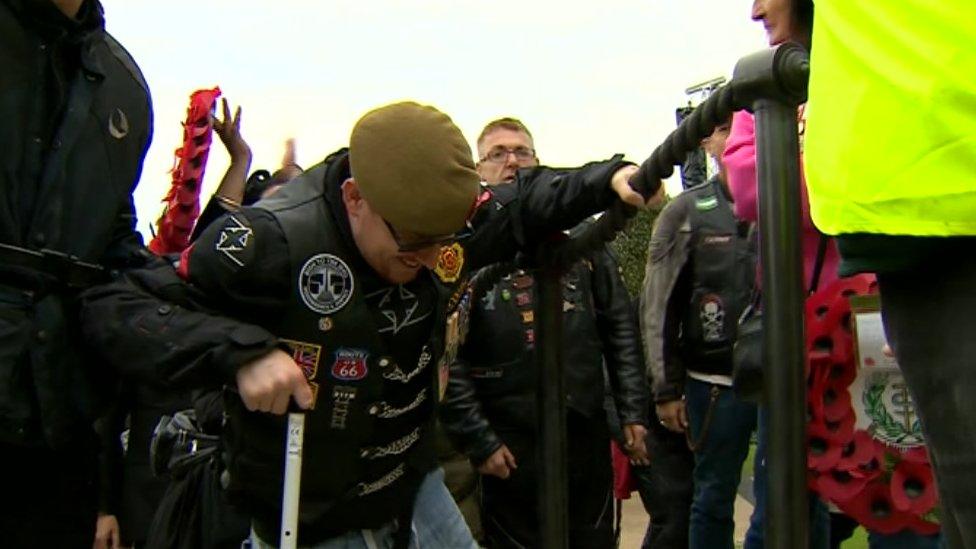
x=229, y=131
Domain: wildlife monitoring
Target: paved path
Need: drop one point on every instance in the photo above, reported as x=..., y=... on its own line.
x=634, y=522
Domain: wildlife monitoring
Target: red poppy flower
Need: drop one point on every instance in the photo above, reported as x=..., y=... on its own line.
x=842, y=373
x=913, y=488
x=185, y=191
x=858, y=452
x=823, y=451
x=874, y=509
x=840, y=486
x=841, y=431
x=857, y=479
x=198, y=113
x=837, y=403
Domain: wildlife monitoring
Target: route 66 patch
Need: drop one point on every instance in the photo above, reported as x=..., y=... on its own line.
x=350, y=364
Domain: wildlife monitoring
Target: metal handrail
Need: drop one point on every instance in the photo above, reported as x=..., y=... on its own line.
x=770, y=83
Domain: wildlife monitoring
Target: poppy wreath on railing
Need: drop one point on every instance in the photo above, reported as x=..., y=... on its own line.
x=183, y=199
x=864, y=455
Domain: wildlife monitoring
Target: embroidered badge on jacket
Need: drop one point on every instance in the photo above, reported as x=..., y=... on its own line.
x=325, y=283
x=234, y=241
x=350, y=364
x=118, y=124
x=306, y=355
x=400, y=307
x=706, y=203
x=450, y=262
x=342, y=397
x=712, y=315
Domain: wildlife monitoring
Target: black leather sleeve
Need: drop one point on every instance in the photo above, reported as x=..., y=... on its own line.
x=617, y=325
x=152, y=325
x=463, y=419
x=664, y=296
x=555, y=199
x=542, y=201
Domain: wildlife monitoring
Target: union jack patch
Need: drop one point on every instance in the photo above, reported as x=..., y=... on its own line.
x=306, y=355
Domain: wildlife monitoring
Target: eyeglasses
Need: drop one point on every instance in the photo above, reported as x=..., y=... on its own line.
x=406, y=244
x=500, y=154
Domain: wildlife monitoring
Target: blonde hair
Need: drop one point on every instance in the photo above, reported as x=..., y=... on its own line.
x=507, y=123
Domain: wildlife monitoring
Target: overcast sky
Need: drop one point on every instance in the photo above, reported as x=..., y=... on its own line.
x=589, y=79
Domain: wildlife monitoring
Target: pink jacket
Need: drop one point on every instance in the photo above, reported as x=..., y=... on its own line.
x=740, y=164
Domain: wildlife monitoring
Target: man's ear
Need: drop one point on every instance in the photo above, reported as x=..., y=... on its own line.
x=477, y=168
x=351, y=197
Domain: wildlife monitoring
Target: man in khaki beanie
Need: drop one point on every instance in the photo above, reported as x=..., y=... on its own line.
x=347, y=297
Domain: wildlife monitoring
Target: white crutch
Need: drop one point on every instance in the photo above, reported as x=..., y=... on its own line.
x=293, y=481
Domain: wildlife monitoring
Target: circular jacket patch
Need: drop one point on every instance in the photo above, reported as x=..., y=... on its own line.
x=325, y=283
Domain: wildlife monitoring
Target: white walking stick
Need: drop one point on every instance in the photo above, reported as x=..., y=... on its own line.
x=293, y=481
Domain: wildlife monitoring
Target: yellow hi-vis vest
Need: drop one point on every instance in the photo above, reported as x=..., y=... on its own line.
x=890, y=141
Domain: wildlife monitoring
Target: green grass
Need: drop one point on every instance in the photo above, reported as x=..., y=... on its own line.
x=747, y=464
x=858, y=541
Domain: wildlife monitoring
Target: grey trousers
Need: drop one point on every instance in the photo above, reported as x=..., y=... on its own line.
x=930, y=319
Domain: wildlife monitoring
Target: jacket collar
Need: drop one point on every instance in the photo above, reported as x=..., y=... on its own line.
x=82, y=33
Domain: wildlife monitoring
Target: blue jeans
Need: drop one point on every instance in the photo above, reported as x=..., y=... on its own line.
x=819, y=520
x=723, y=448
x=437, y=524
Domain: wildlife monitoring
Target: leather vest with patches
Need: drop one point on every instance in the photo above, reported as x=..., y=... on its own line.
x=501, y=352
x=363, y=455
x=723, y=267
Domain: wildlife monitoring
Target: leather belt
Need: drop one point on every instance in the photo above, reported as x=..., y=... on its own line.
x=50, y=267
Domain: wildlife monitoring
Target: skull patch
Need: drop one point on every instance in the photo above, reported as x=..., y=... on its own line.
x=712, y=315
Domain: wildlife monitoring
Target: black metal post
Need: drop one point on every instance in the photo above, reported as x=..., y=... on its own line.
x=783, y=349
x=553, y=478
x=773, y=82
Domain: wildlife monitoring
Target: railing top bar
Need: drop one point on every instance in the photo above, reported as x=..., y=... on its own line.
x=778, y=74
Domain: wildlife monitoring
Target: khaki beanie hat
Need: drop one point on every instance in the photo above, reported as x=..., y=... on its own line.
x=414, y=168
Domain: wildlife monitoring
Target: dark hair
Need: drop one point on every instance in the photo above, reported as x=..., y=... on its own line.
x=260, y=181
x=802, y=14
x=257, y=183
